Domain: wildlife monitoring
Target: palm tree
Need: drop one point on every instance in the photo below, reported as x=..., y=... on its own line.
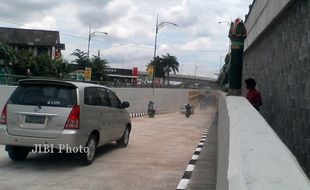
x=82, y=59
x=170, y=64
x=97, y=64
x=99, y=67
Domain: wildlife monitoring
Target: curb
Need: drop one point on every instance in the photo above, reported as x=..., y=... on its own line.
x=191, y=165
x=140, y=114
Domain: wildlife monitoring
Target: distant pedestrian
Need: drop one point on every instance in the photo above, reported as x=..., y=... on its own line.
x=60, y=76
x=28, y=73
x=253, y=95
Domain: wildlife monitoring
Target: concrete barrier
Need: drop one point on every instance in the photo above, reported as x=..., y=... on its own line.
x=223, y=144
x=250, y=154
x=166, y=100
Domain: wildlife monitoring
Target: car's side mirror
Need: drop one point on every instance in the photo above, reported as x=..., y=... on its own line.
x=125, y=105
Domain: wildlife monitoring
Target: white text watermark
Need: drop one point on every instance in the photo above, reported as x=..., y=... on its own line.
x=59, y=148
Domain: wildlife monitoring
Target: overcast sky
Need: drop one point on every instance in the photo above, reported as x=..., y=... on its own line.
x=198, y=41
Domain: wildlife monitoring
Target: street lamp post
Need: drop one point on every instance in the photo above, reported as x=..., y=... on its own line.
x=158, y=26
x=90, y=36
x=196, y=67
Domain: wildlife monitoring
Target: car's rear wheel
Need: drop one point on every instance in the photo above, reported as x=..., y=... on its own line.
x=123, y=142
x=18, y=153
x=88, y=157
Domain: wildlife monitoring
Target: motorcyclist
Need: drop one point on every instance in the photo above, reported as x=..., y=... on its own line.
x=151, y=109
x=188, y=110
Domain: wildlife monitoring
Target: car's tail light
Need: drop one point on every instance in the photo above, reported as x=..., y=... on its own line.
x=4, y=115
x=73, y=121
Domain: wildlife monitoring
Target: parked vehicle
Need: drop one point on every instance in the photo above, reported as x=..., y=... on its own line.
x=58, y=113
x=183, y=109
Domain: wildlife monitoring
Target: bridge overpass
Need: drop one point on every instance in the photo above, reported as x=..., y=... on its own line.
x=189, y=80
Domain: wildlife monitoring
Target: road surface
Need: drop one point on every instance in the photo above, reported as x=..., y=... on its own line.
x=156, y=157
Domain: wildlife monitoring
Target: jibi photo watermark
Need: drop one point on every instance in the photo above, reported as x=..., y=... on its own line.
x=59, y=148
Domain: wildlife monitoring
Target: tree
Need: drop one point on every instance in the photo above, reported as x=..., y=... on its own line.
x=170, y=64
x=159, y=67
x=166, y=63
x=82, y=59
x=24, y=60
x=99, y=66
x=7, y=56
x=44, y=66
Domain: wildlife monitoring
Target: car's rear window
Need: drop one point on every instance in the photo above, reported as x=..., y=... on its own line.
x=44, y=95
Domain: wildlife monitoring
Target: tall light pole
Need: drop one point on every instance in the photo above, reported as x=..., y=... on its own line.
x=90, y=36
x=196, y=67
x=158, y=26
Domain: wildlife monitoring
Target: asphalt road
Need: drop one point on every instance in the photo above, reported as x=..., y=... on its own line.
x=156, y=157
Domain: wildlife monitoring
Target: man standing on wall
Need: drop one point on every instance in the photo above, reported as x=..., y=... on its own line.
x=253, y=95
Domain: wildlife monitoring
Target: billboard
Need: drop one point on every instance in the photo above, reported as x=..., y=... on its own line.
x=87, y=74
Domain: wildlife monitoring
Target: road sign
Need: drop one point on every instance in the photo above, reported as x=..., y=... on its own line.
x=150, y=72
x=80, y=75
x=87, y=74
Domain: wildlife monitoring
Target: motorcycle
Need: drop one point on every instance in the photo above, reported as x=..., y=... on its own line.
x=151, y=113
x=187, y=113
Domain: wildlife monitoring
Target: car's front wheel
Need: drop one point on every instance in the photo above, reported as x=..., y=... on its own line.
x=88, y=157
x=18, y=153
x=123, y=142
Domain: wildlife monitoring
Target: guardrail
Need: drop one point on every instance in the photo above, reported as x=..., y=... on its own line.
x=250, y=154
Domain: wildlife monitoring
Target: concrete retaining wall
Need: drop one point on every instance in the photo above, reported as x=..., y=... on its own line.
x=257, y=158
x=166, y=100
x=223, y=144
x=263, y=12
x=280, y=63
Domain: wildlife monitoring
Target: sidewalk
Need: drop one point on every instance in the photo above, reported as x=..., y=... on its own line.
x=204, y=174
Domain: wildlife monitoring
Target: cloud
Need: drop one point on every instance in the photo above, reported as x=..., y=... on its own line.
x=131, y=27
x=25, y=11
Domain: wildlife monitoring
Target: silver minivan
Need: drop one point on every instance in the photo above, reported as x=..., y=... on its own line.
x=62, y=115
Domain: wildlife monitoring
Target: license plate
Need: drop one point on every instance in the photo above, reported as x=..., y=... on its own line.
x=35, y=119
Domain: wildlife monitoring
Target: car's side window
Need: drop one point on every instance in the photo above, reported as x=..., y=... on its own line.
x=103, y=96
x=115, y=102
x=91, y=96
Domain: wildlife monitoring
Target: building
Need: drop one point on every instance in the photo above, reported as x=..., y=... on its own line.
x=35, y=41
x=122, y=75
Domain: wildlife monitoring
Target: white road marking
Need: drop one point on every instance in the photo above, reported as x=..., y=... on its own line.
x=195, y=157
x=183, y=184
x=190, y=168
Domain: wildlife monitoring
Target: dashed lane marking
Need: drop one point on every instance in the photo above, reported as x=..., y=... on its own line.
x=191, y=165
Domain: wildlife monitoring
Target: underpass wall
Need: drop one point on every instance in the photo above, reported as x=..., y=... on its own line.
x=166, y=100
x=279, y=61
x=250, y=154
